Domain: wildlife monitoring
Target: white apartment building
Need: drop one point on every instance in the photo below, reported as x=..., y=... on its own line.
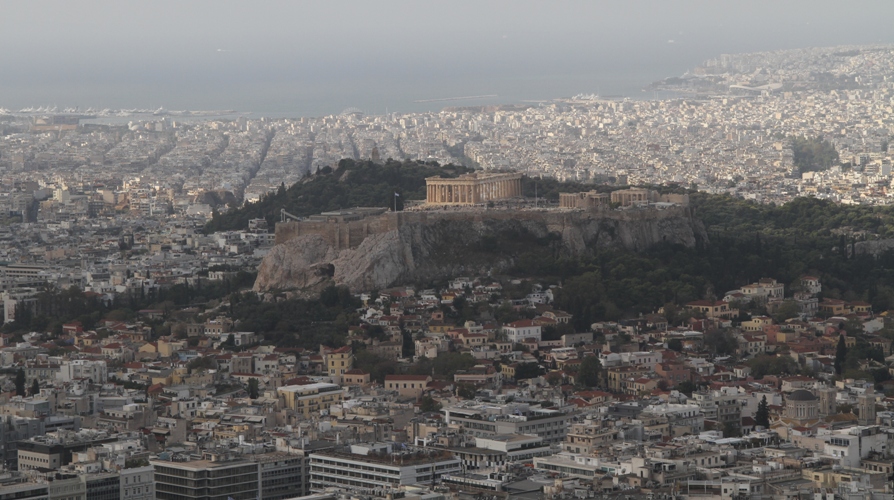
x=519, y=331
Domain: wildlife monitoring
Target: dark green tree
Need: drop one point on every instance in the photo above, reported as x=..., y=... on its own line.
x=408, y=347
x=762, y=416
x=376, y=332
x=675, y=345
x=840, y=354
x=813, y=154
x=590, y=368
x=20, y=382
x=731, y=430
x=766, y=364
x=230, y=343
x=466, y=391
x=35, y=387
x=853, y=326
x=253, y=388
x=527, y=370
x=201, y=363
x=788, y=309
x=135, y=462
x=429, y=404
x=722, y=342
x=447, y=364
x=686, y=387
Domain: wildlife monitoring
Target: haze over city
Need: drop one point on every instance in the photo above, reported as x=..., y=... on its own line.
x=446, y=250
x=307, y=58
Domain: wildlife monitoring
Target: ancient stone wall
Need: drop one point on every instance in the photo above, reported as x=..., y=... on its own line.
x=344, y=235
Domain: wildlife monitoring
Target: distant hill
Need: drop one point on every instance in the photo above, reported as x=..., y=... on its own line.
x=352, y=184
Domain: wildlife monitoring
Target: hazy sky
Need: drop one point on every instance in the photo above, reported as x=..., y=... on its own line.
x=318, y=56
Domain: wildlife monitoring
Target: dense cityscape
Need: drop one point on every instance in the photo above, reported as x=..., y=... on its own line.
x=145, y=356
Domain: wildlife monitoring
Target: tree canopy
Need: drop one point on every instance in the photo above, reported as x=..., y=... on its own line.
x=589, y=372
x=762, y=415
x=813, y=154
x=350, y=184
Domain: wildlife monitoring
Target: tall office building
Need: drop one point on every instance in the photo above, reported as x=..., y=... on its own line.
x=269, y=476
x=206, y=480
x=375, y=469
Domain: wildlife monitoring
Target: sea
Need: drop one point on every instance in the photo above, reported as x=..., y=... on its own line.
x=329, y=92
x=410, y=94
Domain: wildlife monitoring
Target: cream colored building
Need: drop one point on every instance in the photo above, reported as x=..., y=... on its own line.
x=407, y=385
x=802, y=405
x=338, y=362
x=310, y=399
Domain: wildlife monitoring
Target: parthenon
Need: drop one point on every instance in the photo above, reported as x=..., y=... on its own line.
x=469, y=189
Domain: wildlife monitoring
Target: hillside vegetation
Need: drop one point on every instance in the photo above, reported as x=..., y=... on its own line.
x=351, y=184
x=747, y=241
x=367, y=184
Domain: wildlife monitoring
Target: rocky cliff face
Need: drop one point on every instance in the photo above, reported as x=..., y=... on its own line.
x=464, y=244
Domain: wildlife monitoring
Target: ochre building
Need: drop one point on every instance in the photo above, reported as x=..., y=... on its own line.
x=471, y=189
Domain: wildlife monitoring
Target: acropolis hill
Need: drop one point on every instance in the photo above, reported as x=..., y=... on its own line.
x=373, y=248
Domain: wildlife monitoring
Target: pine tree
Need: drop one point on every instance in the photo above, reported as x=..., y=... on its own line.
x=762, y=417
x=253, y=388
x=840, y=354
x=20, y=383
x=408, y=346
x=35, y=387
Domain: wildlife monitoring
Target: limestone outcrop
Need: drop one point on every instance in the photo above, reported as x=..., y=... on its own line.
x=440, y=245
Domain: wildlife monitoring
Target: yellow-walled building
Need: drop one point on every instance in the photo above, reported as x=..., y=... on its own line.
x=338, y=362
x=309, y=399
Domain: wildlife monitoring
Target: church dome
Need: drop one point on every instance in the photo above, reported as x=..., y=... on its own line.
x=802, y=395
